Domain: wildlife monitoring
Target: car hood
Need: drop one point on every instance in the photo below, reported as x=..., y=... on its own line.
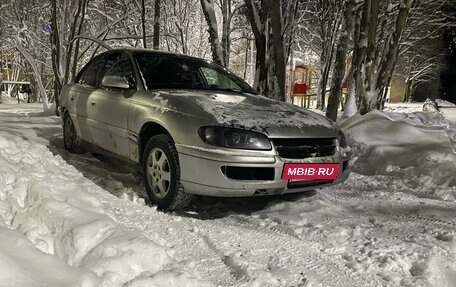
x=249, y=111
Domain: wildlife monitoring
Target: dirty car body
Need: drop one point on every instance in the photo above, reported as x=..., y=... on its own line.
x=195, y=128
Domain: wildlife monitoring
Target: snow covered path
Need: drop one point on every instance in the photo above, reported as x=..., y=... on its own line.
x=84, y=215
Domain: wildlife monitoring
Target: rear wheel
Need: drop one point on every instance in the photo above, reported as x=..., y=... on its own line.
x=70, y=137
x=162, y=174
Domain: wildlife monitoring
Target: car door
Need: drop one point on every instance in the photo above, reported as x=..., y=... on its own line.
x=108, y=107
x=78, y=96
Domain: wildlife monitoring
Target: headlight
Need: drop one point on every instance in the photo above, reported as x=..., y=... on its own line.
x=234, y=138
x=342, y=140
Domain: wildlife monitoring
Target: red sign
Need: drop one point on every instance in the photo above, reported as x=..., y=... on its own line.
x=310, y=171
x=300, y=88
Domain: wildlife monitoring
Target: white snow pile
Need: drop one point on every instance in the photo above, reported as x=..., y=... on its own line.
x=430, y=106
x=443, y=103
x=56, y=231
x=418, y=147
x=5, y=99
x=51, y=111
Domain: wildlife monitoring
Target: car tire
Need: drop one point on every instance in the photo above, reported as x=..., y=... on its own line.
x=71, y=140
x=160, y=167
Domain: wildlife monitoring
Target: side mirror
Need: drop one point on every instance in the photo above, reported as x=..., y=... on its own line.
x=115, y=82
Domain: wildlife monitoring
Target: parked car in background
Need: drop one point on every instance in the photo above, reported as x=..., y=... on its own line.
x=193, y=127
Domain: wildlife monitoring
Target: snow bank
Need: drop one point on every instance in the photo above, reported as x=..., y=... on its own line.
x=417, y=146
x=22, y=264
x=46, y=113
x=404, y=107
x=61, y=214
x=443, y=103
x=5, y=99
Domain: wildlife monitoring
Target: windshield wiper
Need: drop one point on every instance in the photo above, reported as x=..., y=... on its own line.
x=218, y=88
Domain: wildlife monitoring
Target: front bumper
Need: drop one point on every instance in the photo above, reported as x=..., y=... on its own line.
x=201, y=171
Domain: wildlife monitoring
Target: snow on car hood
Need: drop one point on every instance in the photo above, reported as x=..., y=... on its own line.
x=251, y=112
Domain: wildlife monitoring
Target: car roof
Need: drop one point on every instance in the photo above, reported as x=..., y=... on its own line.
x=136, y=50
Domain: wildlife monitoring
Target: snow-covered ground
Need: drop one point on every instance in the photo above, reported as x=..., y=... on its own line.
x=82, y=220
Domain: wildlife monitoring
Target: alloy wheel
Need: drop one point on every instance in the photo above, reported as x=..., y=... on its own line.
x=158, y=173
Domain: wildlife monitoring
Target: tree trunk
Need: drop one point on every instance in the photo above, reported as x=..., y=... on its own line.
x=66, y=73
x=209, y=14
x=246, y=59
x=279, y=50
x=387, y=68
x=322, y=84
x=258, y=21
x=76, y=47
x=38, y=79
x=261, y=71
x=350, y=106
x=408, y=91
x=55, y=49
x=143, y=23
x=157, y=25
x=226, y=23
x=360, y=50
x=340, y=62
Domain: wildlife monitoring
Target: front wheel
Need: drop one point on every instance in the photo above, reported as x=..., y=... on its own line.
x=70, y=137
x=161, y=172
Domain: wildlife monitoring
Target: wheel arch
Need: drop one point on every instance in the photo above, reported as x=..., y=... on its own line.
x=64, y=111
x=147, y=131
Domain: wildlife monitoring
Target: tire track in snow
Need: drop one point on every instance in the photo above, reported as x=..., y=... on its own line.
x=332, y=269
x=238, y=272
x=181, y=236
x=232, y=252
x=398, y=209
x=411, y=229
x=410, y=212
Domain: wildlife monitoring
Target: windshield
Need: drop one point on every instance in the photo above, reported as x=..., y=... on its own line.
x=161, y=71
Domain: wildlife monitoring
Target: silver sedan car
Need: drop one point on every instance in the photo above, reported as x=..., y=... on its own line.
x=193, y=127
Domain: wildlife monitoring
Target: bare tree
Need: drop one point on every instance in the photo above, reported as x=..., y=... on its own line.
x=19, y=32
x=319, y=27
x=64, y=51
x=272, y=25
x=421, y=52
x=377, y=40
x=184, y=28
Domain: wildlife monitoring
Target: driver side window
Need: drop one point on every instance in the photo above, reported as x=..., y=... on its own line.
x=122, y=68
x=90, y=74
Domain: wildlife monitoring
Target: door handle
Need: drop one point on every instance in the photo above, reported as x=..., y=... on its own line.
x=72, y=97
x=93, y=103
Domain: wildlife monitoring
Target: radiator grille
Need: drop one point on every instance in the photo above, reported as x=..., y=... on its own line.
x=305, y=148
